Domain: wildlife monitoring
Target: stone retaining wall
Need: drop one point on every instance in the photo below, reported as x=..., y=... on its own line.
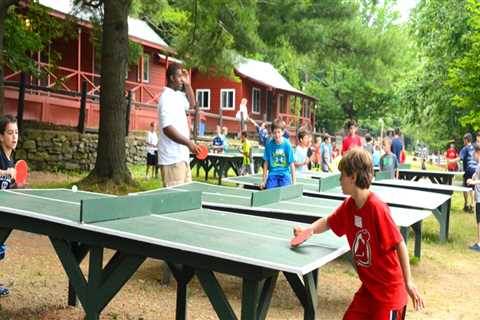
x=64, y=150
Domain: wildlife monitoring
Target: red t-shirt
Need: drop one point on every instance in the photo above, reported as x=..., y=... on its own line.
x=350, y=142
x=373, y=237
x=451, y=154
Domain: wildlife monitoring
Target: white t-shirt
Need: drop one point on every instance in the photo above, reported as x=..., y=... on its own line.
x=301, y=156
x=171, y=112
x=151, y=138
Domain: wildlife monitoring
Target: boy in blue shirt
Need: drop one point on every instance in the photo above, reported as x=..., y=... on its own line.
x=469, y=168
x=278, y=165
x=218, y=142
x=475, y=182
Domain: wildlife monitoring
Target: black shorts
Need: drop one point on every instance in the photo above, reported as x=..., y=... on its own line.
x=468, y=175
x=152, y=159
x=477, y=211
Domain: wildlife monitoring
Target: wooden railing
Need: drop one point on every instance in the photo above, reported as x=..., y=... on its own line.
x=70, y=80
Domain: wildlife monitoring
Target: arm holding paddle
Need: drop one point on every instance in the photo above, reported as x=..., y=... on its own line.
x=303, y=234
x=173, y=134
x=10, y=172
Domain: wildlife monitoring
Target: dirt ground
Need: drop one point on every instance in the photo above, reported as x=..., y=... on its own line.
x=447, y=276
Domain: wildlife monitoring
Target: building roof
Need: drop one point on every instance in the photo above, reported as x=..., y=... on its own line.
x=136, y=28
x=266, y=74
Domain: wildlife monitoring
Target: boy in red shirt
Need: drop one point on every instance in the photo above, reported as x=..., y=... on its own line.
x=352, y=140
x=378, y=249
x=451, y=155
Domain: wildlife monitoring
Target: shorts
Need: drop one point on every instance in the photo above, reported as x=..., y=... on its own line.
x=275, y=181
x=361, y=308
x=468, y=175
x=477, y=211
x=177, y=173
x=152, y=159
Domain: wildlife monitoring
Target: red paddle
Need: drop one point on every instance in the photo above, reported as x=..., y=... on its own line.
x=21, y=169
x=202, y=152
x=301, y=237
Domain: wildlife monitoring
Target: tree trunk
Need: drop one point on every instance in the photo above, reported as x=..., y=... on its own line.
x=111, y=163
x=4, y=5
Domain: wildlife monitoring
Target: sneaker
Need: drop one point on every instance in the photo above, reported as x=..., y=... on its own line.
x=4, y=291
x=475, y=247
x=465, y=208
x=470, y=209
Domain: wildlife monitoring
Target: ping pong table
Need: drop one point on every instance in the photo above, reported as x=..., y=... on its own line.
x=290, y=204
x=435, y=176
x=173, y=227
x=418, y=185
x=329, y=188
x=221, y=163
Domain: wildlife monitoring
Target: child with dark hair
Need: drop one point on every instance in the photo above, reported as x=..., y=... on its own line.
x=378, y=249
x=302, y=159
x=8, y=143
x=278, y=165
x=352, y=140
x=326, y=154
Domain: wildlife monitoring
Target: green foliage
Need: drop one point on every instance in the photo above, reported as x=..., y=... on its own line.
x=28, y=31
x=205, y=34
x=438, y=28
x=464, y=74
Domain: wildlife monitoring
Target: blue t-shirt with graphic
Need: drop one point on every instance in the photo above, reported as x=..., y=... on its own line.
x=278, y=157
x=218, y=141
x=466, y=155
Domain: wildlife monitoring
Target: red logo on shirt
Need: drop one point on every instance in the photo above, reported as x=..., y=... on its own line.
x=362, y=252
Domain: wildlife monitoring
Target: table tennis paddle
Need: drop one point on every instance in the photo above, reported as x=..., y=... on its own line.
x=301, y=237
x=21, y=169
x=202, y=152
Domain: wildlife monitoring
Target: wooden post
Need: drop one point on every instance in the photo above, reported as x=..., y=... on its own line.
x=21, y=101
x=129, y=107
x=83, y=106
x=79, y=57
x=196, y=119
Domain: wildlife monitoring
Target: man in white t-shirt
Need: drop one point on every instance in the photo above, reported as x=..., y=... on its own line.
x=175, y=145
x=151, y=142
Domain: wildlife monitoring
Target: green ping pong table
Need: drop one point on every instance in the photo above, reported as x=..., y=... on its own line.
x=329, y=188
x=221, y=163
x=173, y=227
x=435, y=176
x=287, y=203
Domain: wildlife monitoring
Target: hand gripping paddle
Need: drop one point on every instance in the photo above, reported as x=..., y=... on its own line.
x=22, y=172
x=202, y=152
x=301, y=237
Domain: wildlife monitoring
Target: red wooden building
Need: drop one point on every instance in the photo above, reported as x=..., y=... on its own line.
x=269, y=96
x=145, y=79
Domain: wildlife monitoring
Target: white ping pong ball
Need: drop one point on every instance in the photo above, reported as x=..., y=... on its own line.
x=74, y=188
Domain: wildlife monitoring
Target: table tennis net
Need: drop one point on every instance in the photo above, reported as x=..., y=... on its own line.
x=105, y=209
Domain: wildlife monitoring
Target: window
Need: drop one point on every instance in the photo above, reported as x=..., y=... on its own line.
x=281, y=102
x=255, y=100
x=146, y=68
x=227, y=99
x=203, y=98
